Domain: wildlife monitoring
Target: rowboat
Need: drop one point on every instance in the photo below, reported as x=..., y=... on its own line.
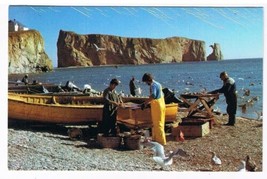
x=38, y=88
x=48, y=89
x=51, y=109
x=75, y=109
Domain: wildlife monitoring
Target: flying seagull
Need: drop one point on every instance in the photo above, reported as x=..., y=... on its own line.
x=98, y=48
x=159, y=154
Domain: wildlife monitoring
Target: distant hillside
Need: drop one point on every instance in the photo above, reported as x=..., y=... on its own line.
x=26, y=52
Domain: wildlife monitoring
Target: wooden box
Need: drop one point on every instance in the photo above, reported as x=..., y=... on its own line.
x=195, y=129
x=138, y=118
x=135, y=117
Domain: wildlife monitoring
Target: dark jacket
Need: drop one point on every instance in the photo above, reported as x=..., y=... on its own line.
x=229, y=91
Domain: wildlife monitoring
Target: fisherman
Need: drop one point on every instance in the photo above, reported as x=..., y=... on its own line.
x=132, y=86
x=158, y=108
x=230, y=93
x=111, y=103
x=25, y=79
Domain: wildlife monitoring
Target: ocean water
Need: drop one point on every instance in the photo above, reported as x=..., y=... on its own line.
x=180, y=77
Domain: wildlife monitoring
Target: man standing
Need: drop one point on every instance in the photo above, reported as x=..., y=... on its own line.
x=158, y=108
x=111, y=103
x=132, y=86
x=25, y=79
x=229, y=91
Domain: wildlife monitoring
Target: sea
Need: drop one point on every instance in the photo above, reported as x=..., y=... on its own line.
x=184, y=77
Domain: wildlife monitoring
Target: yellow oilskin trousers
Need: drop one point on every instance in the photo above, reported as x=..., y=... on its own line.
x=158, y=109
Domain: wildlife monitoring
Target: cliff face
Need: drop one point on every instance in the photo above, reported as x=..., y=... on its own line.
x=26, y=53
x=89, y=50
x=216, y=53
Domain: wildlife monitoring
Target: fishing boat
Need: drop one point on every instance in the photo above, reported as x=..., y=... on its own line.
x=42, y=88
x=51, y=109
x=74, y=109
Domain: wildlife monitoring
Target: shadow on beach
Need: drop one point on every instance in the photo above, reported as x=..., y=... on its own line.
x=59, y=131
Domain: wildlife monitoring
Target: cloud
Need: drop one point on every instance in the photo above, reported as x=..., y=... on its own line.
x=81, y=12
x=228, y=16
x=202, y=16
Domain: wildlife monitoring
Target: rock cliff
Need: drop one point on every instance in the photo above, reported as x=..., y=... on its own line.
x=94, y=49
x=26, y=53
x=216, y=53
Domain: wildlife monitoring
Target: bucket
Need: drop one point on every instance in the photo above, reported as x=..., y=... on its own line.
x=132, y=142
x=108, y=142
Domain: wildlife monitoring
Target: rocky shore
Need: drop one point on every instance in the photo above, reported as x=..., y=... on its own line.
x=49, y=148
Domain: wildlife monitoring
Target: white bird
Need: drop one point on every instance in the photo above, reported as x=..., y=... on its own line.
x=242, y=167
x=215, y=160
x=156, y=147
x=259, y=115
x=98, y=48
x=159, y=154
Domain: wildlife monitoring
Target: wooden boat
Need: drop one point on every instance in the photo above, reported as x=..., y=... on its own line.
x=47, y=109
x=73, y=109
x=39, y=88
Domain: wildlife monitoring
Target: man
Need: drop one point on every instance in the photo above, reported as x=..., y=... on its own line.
x=229, y=91
x=158, y=108
x=25, y=79
x=132, y=86
x=111, y=103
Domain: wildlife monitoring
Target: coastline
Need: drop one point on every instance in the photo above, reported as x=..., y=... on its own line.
x=50, y=149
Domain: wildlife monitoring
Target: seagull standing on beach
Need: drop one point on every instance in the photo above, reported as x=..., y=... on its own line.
x=98, y=48
x=215, y=160
x=242, y=167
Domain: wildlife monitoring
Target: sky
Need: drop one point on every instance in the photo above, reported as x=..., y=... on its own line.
x=238, y=29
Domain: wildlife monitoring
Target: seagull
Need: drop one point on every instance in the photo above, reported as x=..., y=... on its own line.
x=98, y=48
x=242, y=167
x=159, y=155
x=259, y=115
x=215, y=160
x=250, y=165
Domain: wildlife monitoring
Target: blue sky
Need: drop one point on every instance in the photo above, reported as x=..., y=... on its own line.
x=239, y=30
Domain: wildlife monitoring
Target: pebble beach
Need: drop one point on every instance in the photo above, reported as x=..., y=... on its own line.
x=49, y=148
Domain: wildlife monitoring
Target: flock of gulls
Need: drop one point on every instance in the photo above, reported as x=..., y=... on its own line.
x=161, y=159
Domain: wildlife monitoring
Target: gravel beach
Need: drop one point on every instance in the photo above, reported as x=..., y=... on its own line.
x=49, y=148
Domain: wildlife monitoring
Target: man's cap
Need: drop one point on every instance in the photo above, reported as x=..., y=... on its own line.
x=115, y=81
x=223, y=74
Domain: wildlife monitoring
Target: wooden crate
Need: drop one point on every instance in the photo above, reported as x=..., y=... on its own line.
x=138, y=118
x=195, y=129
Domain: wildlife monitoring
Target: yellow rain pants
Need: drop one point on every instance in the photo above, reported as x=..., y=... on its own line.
x=158, y=109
